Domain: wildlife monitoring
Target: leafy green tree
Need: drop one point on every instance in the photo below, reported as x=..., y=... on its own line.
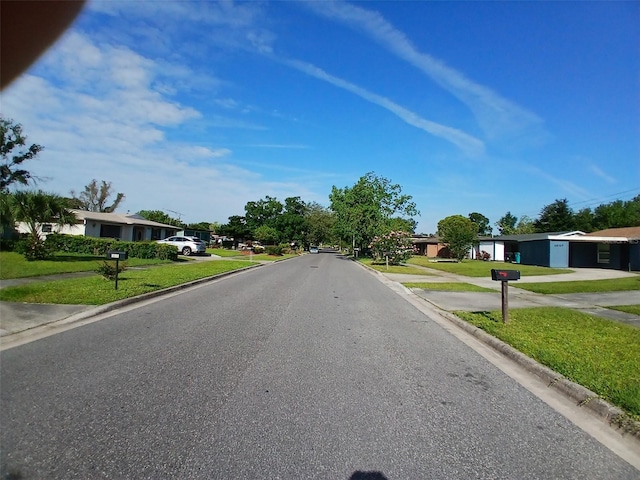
x=399, y=224
x=292, y=223
x=236, y=228
x=263, y=212
x=555, y=217
x=365, y=209
x=507, y=224
x=617, y=214
x=525, y=226
x=266, y=235
x=214, y=227
x=204, y=226
x=35, y=209
x=320, y=222
x=160, y=217
x=459, y=233
x=94, y=197
x=12, y=143
x=484, y=227
x=583, y=220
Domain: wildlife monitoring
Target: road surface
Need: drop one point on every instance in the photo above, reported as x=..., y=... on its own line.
x=306, y=369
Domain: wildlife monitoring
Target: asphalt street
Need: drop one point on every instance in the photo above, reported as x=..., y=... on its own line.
x=309, y=368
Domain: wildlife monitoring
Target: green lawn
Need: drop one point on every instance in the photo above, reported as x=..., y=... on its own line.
x=448, y=287
x=599, y=354
x=95, y=290
x=634, y=309
x=393, y=268
x=587, y=286
x=14, y=265
x=478, y=268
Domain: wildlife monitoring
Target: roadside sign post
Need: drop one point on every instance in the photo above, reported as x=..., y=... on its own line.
x=504, y=276
x=117, y=256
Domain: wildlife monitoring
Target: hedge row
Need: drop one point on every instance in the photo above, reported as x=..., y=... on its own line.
x=100, y=246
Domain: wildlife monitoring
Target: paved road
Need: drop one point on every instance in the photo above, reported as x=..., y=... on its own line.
x=309, y=368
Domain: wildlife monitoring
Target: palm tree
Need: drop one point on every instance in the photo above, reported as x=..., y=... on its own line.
x=34, y=209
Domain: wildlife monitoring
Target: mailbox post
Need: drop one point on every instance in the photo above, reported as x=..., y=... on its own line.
x=117, y=256
x=504, y=276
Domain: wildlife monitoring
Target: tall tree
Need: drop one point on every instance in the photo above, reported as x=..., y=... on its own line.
x=236, y=228
x=459, y=233
x=555, y=217
x=35, y=209
x=507, y=224
x=617, y=214
x=94, y=197
x=13, y=152
x=484, y=228
x=292, y=223
x=160, y=217
x=364, y=210
x=319, y=224
x=263, y=212
x=525, y=225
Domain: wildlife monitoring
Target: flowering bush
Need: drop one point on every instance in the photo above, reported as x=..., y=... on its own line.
x=396, y=245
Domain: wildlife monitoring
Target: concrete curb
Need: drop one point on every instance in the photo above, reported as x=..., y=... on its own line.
x=583, y=397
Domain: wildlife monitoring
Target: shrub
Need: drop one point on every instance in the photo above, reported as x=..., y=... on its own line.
x=100, y=246
x=273, y=250
x=396, y=246
x=108, y=269
x=33, y=248
x=484, y=256
x=258, y=249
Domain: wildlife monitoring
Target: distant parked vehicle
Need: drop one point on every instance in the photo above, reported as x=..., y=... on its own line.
x=314, y=249
x=186, y=245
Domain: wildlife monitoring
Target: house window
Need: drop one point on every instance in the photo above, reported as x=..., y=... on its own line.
x=604, y=252
x=110, y=231
x=156, y=234
x=47, y=228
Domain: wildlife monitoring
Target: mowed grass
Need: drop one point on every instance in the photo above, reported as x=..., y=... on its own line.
x=586, y=286
x=600, y=354
x=478, y=268
x=634, y=309
x=14, y=265
x=221, y=252
x=392, y=268
x=96, y=290
x=448, y=286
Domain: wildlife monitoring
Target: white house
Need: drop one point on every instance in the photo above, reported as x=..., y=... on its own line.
x=127, y=227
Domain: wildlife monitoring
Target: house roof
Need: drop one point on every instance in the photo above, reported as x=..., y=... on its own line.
x=123, y=219
x=530, y=237
x=632, y=233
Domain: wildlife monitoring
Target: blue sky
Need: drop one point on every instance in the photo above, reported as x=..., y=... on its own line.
x=195, y=108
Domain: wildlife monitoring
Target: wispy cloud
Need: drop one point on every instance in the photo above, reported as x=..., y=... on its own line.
x=469, y=144
x=600, y=173
x=100, y=112
x=497, y=116
x=566, y=186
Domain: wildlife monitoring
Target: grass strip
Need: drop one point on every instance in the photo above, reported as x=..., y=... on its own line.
x=14, y=265
x=96, y=290
x=634, y=309
x=448, y=287
x=392, y=268
x=597, y=353
x=479, y=268
x=584, y=286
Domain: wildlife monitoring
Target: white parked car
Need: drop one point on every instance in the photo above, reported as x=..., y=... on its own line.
x=186, y=245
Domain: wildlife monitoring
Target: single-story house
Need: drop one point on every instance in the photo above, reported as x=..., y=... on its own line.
x=127, y=227
x=430, y=246
x=615, y=248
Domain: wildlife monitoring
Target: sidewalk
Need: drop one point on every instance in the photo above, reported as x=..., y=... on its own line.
x=591, y=303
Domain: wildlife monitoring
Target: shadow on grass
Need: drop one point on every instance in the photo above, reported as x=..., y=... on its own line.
x=75, y=258
x=486, y=315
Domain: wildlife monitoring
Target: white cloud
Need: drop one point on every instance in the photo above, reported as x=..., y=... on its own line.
x=497, y=116
x=107, y=120
x=464, y=141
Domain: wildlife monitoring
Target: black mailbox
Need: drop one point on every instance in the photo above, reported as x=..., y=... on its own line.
x=505, y=275
x=113, y=255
